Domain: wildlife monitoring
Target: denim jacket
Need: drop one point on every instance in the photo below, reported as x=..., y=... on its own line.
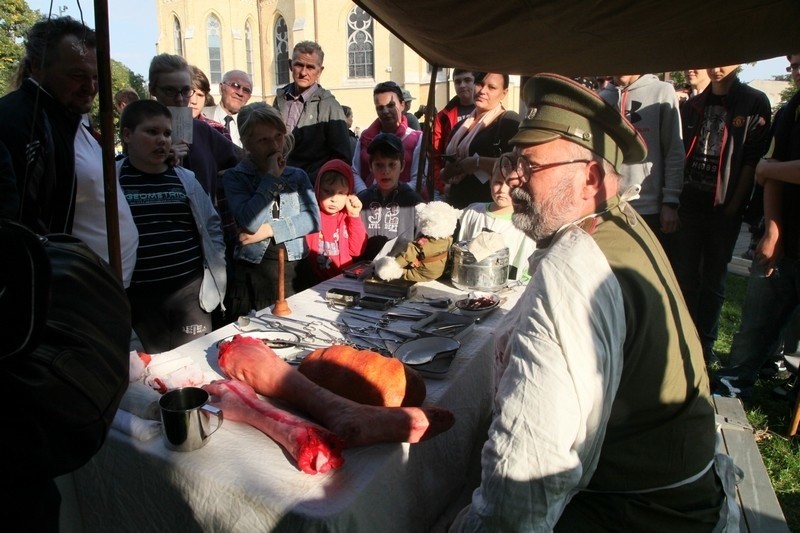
x=251, y=196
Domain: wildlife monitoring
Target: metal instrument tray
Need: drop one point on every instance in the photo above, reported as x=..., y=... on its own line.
x=444, y=324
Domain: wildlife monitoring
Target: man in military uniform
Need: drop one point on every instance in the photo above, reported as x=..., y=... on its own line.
x=602, y=415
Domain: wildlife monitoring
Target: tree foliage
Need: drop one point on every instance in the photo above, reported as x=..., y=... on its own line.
x=15, y=19
x=121, y=77
x=790, y=90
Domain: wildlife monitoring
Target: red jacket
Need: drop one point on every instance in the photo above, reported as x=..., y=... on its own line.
x=340, y=237
x=442, y=127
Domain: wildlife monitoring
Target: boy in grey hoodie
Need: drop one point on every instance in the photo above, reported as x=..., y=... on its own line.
x=651, y=106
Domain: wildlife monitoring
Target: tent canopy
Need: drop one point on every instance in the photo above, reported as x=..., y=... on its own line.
x=591, y=37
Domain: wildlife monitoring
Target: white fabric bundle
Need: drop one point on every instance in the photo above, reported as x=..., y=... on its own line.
x=134, y=426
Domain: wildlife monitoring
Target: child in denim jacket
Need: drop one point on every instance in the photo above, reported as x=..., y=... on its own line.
x=275, y=208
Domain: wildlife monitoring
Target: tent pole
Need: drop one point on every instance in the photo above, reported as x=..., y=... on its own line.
x=107, y=134
x=426, y=148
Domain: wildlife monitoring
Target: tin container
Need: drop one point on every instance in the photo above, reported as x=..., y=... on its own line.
x=490, y=274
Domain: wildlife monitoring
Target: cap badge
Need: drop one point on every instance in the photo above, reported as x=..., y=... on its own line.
x=532, y=113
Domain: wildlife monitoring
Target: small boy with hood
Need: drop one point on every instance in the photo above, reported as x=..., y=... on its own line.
x=342, y=235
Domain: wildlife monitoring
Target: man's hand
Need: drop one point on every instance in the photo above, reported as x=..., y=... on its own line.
x=760, y=179
x=453, y=172
x=669, y=219
x=769, y=249
x=353, y=205
x=178, y=151
x=263, y=233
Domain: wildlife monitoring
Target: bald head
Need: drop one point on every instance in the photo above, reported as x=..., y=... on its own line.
x=235, y=90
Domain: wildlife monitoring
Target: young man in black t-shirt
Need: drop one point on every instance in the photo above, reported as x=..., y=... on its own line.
x=725, y=133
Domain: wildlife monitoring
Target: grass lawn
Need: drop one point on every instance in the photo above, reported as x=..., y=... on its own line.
x=768, y=413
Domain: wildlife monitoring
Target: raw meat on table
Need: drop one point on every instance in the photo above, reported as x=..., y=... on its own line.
x=364, y=376
x=249, y=360
x=313, y=447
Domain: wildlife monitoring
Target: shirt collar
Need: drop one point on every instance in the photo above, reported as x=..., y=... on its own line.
x=302, y=97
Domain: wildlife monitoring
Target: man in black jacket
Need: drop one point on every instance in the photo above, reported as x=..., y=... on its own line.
x=57, y=83
x=725, y=133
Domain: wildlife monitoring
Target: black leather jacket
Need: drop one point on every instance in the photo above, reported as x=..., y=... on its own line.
x=40, y=135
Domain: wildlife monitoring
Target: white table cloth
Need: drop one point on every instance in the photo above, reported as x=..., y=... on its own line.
x=243, y=481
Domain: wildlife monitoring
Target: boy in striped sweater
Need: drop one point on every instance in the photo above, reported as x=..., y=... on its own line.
x=180, y=276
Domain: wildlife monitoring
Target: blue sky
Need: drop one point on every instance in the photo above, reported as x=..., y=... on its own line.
x=133, y=29
x=133, y=34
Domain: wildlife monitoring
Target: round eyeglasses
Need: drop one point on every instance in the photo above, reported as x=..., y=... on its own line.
x=172, y=92
x=516, y=170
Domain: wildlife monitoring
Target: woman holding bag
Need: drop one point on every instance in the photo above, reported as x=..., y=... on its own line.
x=477, y=141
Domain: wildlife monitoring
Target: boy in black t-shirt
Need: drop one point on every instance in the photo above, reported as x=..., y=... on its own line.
x=388, y=211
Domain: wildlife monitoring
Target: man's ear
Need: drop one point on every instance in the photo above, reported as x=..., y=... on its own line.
x=594, y=179
x=126, y=135
x=402, y=163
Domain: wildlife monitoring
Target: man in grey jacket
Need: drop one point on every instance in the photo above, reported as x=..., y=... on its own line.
x=651, y=106
x=312, y=113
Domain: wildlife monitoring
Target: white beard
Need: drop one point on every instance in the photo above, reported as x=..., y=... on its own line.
x=540, y=220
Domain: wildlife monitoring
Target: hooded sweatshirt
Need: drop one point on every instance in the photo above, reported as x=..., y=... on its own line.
x=341, y=237
x=652, y=107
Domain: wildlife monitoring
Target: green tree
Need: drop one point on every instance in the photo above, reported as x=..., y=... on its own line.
x=678, y=76
x=790, y=90
x=15, y=20
x=121, y=77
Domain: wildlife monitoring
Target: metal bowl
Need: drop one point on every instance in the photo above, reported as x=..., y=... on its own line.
x=478, y=304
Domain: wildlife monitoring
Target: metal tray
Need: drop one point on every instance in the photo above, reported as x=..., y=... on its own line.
x=444, y=324
x=430, y=356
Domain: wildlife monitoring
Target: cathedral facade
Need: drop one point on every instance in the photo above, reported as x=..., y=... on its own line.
x=257, y=36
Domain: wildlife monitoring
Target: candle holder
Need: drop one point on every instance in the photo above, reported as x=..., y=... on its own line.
x=281, y=307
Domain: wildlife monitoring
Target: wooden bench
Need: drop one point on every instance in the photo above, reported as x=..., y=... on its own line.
x=761, y=511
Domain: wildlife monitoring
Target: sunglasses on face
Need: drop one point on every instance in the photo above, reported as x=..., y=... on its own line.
x=794, y=67
x=238, y=87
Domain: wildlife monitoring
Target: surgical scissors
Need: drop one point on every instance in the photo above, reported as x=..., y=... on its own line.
x=311, y=328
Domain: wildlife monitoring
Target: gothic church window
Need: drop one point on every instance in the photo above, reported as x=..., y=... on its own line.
x=248, y=47
x=360, y=44
x=282, y=62
x=177, y=36
x=213, y=35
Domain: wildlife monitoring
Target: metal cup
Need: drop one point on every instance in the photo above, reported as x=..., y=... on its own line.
x=185, y=418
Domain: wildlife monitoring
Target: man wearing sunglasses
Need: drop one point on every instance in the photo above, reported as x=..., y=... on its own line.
x=602, y=417
x=235, y=91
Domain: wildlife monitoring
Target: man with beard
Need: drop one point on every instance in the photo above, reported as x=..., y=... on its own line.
x=602, y=413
